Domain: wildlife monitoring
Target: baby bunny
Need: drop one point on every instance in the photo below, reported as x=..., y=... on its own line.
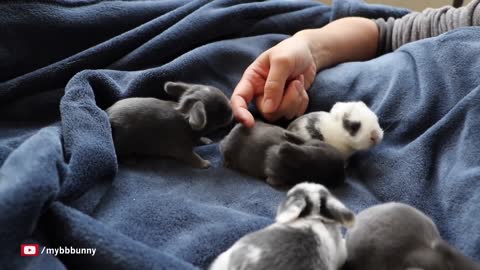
x=271, y=152
x=349, y=127
x=396, y=236
x=153, y=127
x=306, y=235
x=314, y=161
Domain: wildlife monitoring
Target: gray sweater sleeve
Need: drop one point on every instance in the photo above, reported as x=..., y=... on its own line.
x=429, y=23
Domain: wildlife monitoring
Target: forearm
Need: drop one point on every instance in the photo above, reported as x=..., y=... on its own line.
x=394, y=33
x=343, y=40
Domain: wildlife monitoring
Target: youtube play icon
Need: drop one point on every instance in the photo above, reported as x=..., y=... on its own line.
x=29, y=249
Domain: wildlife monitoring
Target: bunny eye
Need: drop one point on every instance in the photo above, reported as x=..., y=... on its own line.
x=351, y=126
x=355, y=126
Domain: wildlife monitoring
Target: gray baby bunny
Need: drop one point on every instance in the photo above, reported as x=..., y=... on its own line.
x=305, y=236
x=395, y=236
x=160, y=128
x=280, y=156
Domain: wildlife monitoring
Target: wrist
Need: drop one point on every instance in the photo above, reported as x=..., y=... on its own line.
x=320, y=49
x=343, y=40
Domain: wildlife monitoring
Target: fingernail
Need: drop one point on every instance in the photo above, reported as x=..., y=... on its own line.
x=268, y=106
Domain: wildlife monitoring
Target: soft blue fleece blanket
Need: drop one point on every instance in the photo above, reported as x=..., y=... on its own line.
x=62, y=62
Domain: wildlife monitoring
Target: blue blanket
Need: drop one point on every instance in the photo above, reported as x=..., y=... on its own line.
x=63, y=62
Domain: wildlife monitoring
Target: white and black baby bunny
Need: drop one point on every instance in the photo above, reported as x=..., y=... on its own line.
x=281, y=157
x=395, y=236
x=349, y=127
x=159, y=128
x=306, y=235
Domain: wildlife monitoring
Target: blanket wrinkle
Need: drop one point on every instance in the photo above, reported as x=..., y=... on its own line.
x=21, y=173
x=84, y=158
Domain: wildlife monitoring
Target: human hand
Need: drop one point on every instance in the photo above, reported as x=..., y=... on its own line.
x=278, y=79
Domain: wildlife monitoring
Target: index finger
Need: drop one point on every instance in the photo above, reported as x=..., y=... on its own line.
x=242, y=95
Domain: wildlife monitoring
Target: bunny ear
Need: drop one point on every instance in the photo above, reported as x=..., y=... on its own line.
x=176, y=89
x=292, y=207
x=293, y=138
x=333, y=209
x=197, y=117
x=425, y=258
x=336, y=109
x=287, y=148
x=454, y=256
x=340, y=109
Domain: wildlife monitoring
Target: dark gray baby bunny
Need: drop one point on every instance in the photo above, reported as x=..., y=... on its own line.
x=281, y=157
x=395, y=236
x=313, y=161
x=159, y=128
x=305, y=236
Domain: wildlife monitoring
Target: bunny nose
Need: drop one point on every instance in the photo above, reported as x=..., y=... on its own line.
x=374, y=136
